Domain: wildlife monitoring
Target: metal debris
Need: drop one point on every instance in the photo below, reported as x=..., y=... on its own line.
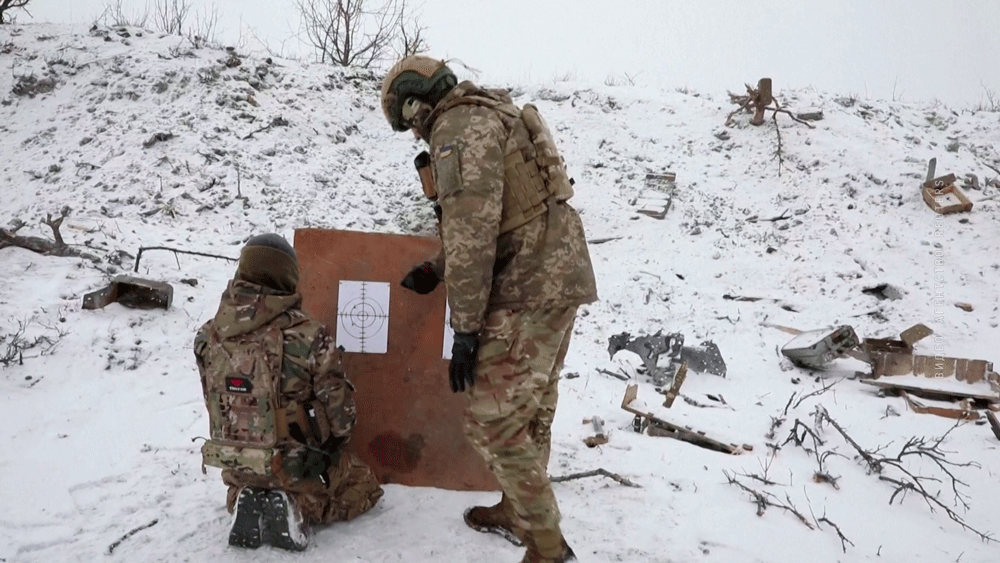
x=896, y=369
x=136, y=293
x=704, y=358
x=815, y=349
x=599, y=438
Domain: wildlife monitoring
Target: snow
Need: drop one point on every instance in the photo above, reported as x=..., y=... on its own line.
x=102, y=414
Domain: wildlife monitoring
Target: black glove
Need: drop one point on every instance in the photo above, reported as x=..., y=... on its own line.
x=462, y=370
x=422, y=279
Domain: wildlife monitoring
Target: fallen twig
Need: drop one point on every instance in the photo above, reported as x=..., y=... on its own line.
x=765, y=499
x=595, y=473
x=602, y=240
x=276, y=122
x=824, y=389
x=138, y=256
x=843, y=539
x=613, y=374
x=111, y=548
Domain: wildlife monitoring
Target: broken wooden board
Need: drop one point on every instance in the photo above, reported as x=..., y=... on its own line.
x=935, y=367
x=966, y=410
x=675, y=387
x=655, y=200
x=929, y=391
x=947, y=200
x=631, y=404
x=994, y=424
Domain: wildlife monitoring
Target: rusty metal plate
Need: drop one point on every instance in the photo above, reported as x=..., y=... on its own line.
x=409, y=427
x=137, y=293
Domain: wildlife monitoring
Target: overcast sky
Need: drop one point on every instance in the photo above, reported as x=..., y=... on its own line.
x=914, y=50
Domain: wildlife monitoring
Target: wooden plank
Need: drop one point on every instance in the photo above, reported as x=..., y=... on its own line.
x=671, y=430
x=927, y=391
x=994, y=423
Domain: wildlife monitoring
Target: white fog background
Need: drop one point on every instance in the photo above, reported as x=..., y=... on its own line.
x=915, y=50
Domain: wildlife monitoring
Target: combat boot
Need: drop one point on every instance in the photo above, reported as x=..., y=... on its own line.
x=245, y=531
x=283, y=525
x=539, y=552
x=496, y=519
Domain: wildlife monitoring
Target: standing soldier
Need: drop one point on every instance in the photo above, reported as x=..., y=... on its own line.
x=280, y=407
x=516, y=267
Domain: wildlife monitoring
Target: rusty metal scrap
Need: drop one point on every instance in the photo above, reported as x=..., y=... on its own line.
x=133, y=292
x=704, y=358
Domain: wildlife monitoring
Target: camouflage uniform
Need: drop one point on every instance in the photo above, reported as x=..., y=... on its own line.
x=518, y=290
x=311, y=373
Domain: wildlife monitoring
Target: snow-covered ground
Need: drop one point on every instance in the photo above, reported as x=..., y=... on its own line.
x=99, y=417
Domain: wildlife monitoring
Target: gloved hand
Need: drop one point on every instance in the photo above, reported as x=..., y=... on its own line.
x=462, y=370
x=422, y=279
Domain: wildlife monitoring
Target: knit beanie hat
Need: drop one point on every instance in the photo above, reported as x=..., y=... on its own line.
x=268, y=260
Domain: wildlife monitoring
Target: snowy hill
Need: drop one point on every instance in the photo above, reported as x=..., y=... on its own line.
x=151, y=142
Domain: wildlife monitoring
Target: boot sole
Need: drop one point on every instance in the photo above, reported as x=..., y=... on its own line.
x=246, y=529
x=278, y=528
x=496, y=530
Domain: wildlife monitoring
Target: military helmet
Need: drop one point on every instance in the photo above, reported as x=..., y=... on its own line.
x=416, y=76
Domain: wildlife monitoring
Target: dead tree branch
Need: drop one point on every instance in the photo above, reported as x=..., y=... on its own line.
x=275, y=122
x=613, y=374
x=111, y=548
x=921, y=448
x=176, y=251
x=17, y=343
x=798, y=435
x=820, y=391
x=596, y=473
x=843, y=539
x=765, y=469
x=757, y=101
x=766, y=499
x=58, y=247
x=775, y=424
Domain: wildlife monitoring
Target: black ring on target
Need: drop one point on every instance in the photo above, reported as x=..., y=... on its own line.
x=362, y=318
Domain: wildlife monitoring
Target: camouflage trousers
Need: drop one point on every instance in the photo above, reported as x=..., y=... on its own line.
x=513, y=403
x=353, y=490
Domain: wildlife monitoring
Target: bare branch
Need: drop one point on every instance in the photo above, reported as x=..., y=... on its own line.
x=824, y=389
x=766, y=499
x=843, y=539
x=6, y=5
x=595, y=473
x=357, y=33
x=922, y=448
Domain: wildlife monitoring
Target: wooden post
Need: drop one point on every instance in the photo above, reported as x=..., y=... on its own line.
x=764, y=99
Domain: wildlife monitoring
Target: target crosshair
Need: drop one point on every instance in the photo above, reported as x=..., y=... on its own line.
x=362, y=317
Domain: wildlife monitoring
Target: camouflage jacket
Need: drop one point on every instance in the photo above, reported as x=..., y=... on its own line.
x=544, y=263
x=311, y=369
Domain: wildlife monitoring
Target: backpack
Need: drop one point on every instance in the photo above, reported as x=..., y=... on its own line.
x=242, y=390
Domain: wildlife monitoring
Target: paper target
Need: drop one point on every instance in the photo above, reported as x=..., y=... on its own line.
x=363, y=316
x=449, y=334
